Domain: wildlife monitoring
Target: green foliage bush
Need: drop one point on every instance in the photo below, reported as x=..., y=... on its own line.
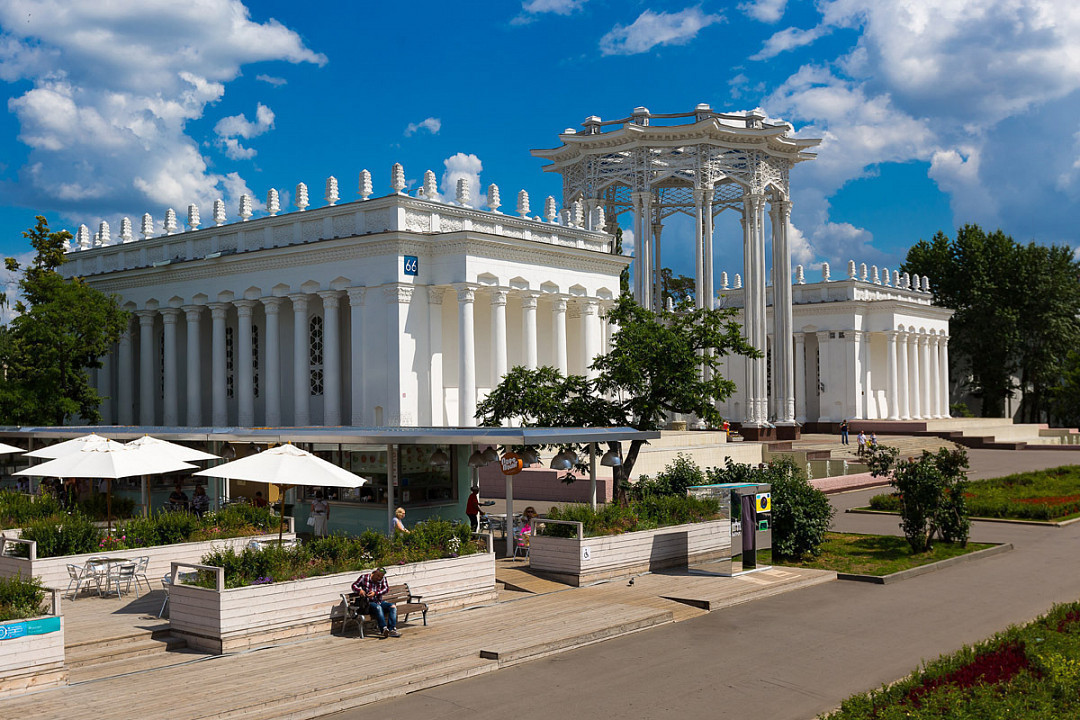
x=672, y=480
x=17, y=509
x=96, y=507
x=646, y=514
x=61, y=535
x=20, y=598
x=428, y=540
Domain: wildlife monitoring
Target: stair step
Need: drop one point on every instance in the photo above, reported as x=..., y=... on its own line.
x=134, y=663
x=91, y=654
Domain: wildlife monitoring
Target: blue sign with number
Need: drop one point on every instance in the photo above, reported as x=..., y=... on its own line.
x=412, y=265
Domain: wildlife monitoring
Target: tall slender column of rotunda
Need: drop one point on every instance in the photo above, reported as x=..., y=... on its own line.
x=125, y=378
x=782, y=318
x=701, y=211
x=219, y=413
x=146, y=366
x=245, y=373
x=272, y=390
x=193, y=314
x=331, y=357
x=528, y=320
x=466, y=295
x=754, y=294
x=301, y=361
x=356, y=352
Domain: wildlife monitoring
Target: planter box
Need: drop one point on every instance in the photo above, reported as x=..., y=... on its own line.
x=582, y=561
x=228, y=620
x=32, y=652
x=53, y=571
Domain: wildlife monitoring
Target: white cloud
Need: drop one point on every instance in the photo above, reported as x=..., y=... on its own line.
x=460, y=166
x=558, y=7
x=230, y=129
x=9, y=286
x=272, y=80
x=768, y=11
x=106, y=112
x=628, y=243
x=431, y=124
x=788, y=39
x=652, y=29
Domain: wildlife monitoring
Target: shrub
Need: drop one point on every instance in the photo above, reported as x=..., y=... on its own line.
x=61, y=535
x=646, y=514
x=96, y=507
x=801, y=513
x=672, y=480
x=17, y=509
x=20, y=598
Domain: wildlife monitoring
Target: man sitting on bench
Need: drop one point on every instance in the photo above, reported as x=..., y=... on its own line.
x=373, y=586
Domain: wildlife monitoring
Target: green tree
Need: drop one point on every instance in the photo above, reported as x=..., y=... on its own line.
x=651, y=372
x=680, y=288
x=624, y=276
x=62, y=329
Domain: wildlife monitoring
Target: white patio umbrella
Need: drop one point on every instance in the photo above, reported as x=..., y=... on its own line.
x=285, y=466
x=69, y=446
x=173, y=450
x=109, y=460
x=6, y=449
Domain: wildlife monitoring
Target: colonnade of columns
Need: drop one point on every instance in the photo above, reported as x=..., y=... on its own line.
x=142, y=407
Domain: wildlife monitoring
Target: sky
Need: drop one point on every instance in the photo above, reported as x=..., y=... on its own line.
x=931, y=114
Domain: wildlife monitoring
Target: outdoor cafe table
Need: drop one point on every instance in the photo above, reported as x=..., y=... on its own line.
x=497, y=521
x=102, y=568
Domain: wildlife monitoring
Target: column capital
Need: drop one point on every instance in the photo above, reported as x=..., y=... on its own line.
x=589, y=306
x=244, y=308
x=701, y=196
x=146, y=317
x=528, y=299
x=356, y=295
x=193, y=312
x=299, y=302
x=170, y=315
x=498, y=296
x=924, y=339
x=398, y=293
x=330, y=298
x=558, y=303
x=435, y=294
x=218, y=310
x=822, y=335
x=466, y=293
x=272, y=305
x=783, y=207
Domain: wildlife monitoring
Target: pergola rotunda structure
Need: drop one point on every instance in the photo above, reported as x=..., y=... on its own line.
x=699, y=164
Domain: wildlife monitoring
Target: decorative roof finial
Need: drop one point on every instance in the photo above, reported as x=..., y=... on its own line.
x=523, y=204
x=825, y=272
x=598, y=219
x=273, y=202
x=170, y=222
x=577, y=214
x=493, y=200
x=82, y=237
x=245, y=208
x=431, y=186
x=551, y=213
x=301, y=201
x=464, y=196
x=886, y=278
x=147, y=226
x=738, y=281
x=193, y=220
x=331, y=191
x=67, y=243
x=906, y=281
x=365, y=185
x=723, y=281
x=851, y=269
x=397, y=178
x=862, y=271
x=874, y=277
x=125, y=230
x=800, y=279
x=896, y=279
x=104, y=236
x=219, y=212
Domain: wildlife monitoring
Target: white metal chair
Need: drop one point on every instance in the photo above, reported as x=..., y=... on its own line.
x=140, y=571
x=80, y=576
x=121, y=573
x=166, y=583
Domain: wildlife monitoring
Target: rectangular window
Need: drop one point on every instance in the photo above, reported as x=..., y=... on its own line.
x=421, y=483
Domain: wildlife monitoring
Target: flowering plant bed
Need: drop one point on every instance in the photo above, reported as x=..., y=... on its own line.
x=1023, y=673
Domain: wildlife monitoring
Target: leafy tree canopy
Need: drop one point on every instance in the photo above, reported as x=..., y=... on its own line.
x=652, y=371
x=62, y=329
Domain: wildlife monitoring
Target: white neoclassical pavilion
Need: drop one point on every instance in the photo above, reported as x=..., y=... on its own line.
x=384, y=311
x=870, y=346
x=699, y=164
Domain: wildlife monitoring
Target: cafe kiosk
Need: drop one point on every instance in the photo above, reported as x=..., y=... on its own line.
x=749, y=508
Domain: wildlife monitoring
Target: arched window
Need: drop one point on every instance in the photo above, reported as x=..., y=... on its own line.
x=315, y=354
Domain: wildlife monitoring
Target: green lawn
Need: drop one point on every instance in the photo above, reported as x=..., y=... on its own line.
x=872, y=554
x=1025, y=673
x=1046, y=495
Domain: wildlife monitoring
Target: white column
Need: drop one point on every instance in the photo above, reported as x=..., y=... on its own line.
x=754, y=299
x=245, y=374
x=356, y=354
x=903, y=380
x=466, y=357
x=647, y=247
x=171, y=412
x=105, y=388
x=640, y=223
x=657, y=264
x=559, y=314
x=219, y=414
x=800, y=387
x=331, y=358
x=590, y=331
x=125, y=379
x=915, y=381
x=301, y=361
x=784, y=377
x=435, y=347
x=867, y=374
x=272, y=386
x=710, y=287
x=891, y=392
x=926, y=373
x=699, y=247
x=824, y=365
x=943, y=371
x=528, y=317
x=193, y=314
x=498, y=336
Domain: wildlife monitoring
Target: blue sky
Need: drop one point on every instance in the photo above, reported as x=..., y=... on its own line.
x=931, y=114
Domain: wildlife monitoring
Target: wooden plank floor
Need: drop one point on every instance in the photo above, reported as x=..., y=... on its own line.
x=317, y=676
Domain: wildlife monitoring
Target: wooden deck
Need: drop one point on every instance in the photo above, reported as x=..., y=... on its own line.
x=318, y=676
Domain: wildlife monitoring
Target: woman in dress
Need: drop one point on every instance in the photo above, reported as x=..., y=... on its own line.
x=320, y=510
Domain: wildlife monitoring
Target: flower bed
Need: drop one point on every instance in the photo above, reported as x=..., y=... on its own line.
x=1028, y=672
x=220, y=619
x=582, y=560
x=31, y=639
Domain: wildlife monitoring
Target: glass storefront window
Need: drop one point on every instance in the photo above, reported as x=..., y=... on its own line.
x=421, y=483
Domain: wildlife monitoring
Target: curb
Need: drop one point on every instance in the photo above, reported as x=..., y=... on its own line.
x=1006, y=521
x=924, y=569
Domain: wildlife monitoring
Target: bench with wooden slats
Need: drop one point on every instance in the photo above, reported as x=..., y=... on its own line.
x=398, y=595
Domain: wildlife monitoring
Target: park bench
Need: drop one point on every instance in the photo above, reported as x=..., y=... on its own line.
x=398, y=595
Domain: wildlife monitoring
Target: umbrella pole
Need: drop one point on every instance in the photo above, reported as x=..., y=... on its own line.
x=108, y=504
x=281, y=506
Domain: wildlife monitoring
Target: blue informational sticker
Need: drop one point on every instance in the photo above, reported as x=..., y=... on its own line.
x=412, y=265
x=41, y=626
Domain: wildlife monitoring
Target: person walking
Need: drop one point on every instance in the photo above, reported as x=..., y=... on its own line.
x=862, y=443
x=844, y=432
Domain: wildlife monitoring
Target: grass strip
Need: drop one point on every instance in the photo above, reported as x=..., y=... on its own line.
x=877, y=555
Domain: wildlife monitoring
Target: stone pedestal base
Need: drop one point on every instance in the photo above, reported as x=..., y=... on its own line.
x=788, y=432
x=758, y=434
